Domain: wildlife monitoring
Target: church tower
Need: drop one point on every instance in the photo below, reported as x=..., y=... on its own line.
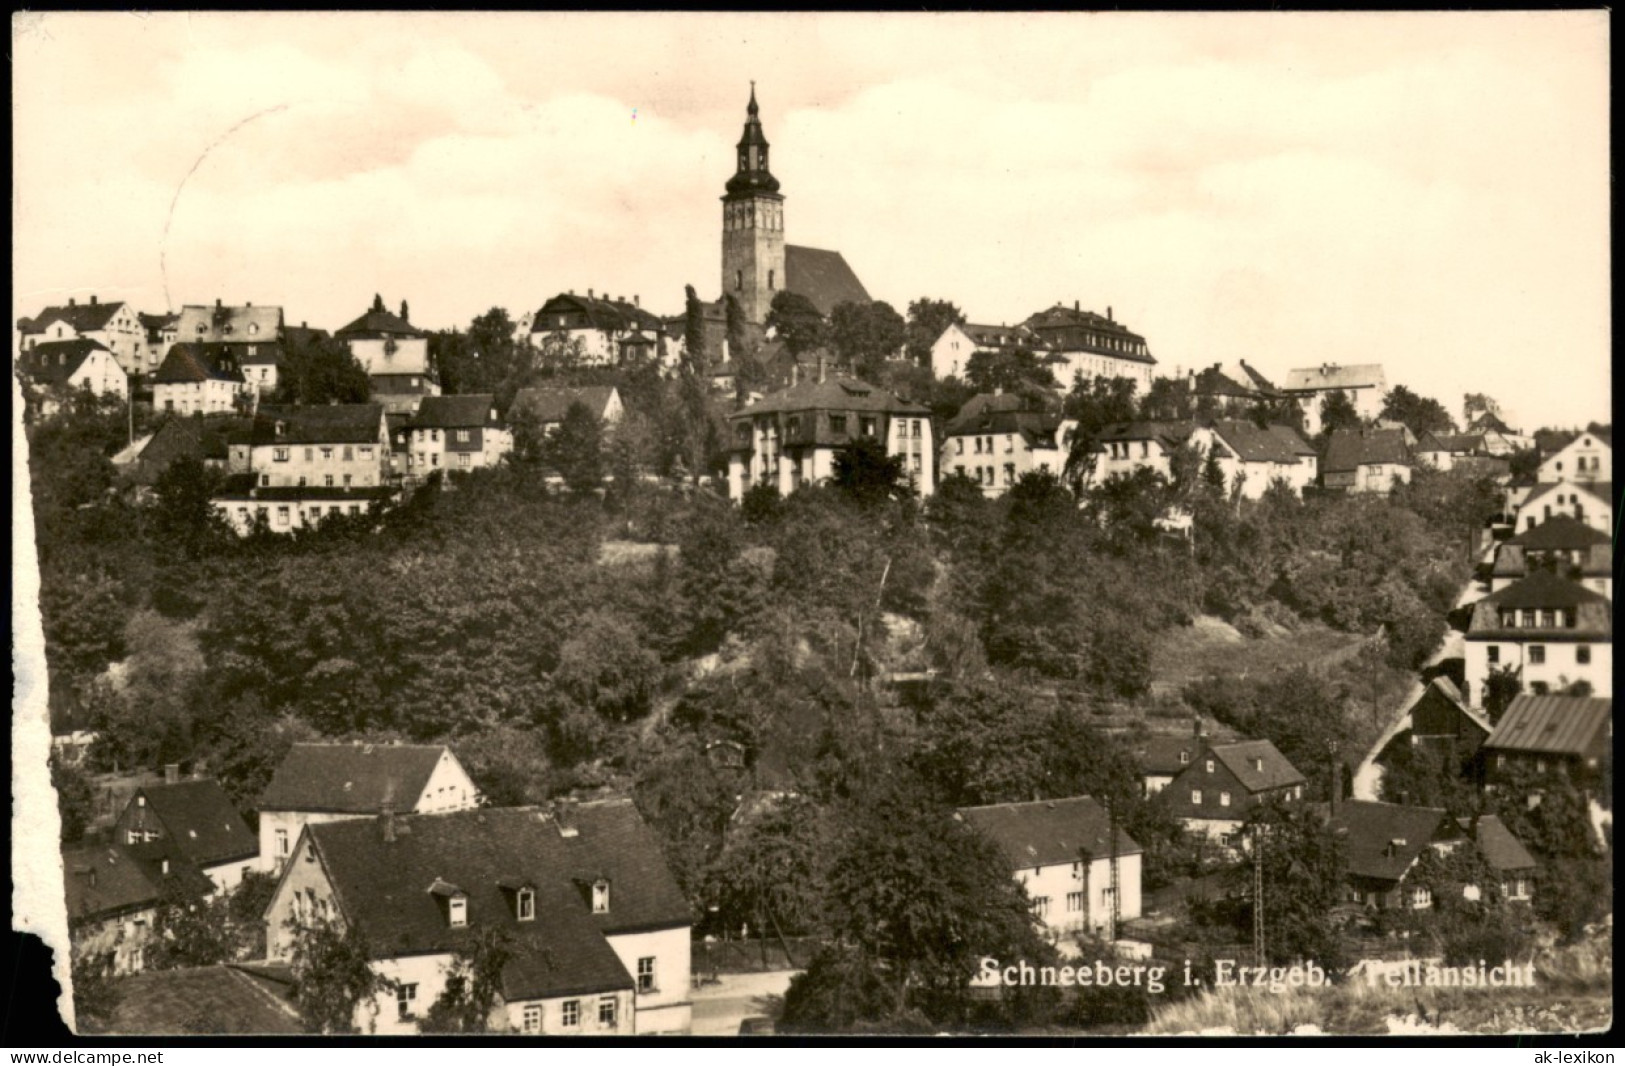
x=752, y=225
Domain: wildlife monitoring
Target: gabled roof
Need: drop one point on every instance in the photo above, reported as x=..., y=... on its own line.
x=1254, y=445
x=204, y=1000
x=84, y=318
x=188, y=363
x=1442, y=687
x=832, y=394
x=1454, y=443
x=1543, y=589
x=1382, y=840
x=202, y=821
x=54, y=362
x=1560, y=533
x=301, y=336
x=1292, y=440
x=987, y=336
x=1007, y=413
x=1257, y=380
x=379, y=324
x=1049, y=831
x=351, y=778
x=1350, y=449
x=234, y=325
x=107, y=879
x=1332, y=376
x=383, y=886
x=1552, y=725
x=551, y=404
x=1602, y=491
x=467, y=411
x=1168, y=756
x=1501, y=848
x=823, y=277
x=602, y=313
x=1242, y=759
x=1213, y=381
x=335, y=423
x=1170, y=435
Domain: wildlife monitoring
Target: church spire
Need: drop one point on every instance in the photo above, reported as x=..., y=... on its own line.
x=751, y=174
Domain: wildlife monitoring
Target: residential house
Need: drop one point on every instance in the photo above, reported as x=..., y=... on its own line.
x=1382, y=843
x=115, y=326
x=610, y=331
x=195, y=379
x=334, y=782
x=206, y=439
x=1549, y=629
x=1564, y=545
x=1082, y=343
x=1364, y=385
x=162, y=331
x=951, y=352
x=248, y=338
x=1587, y=458
x=457, y=433
x=395, y=355
x=1215, y=794
x=303, y=464
x=1125, y=447
x=232, y=999
x=59, y=368
x=1367, y=460
x=200, y=822
x=1567, y=736
x=545, y=408
x=113, y=893
x=790, y=438
x=1254, y=458
x=998, y=438
x=1161, y=759
x=1591, y=502
x=597, y=929
x=1438, y=726
x=1473, y=453
x=1062, y=852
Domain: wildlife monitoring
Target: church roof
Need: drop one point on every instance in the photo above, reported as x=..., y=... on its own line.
x=752, y=179
x=823, y=277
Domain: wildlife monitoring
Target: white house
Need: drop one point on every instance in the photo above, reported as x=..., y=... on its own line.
x=1129, y=446
x=1586, y=458
x=951, y=352
x=58, y=368
x=1214, y=795
x=115, y=326
x=196, y=380
x=246, y=339
x=597, y=928
x=1567, y=546
x=546, y=407
x=1062, y=852
x=609, y=331
x=457, y=433
x=996, y=439
x=1367, y=460
x=1079, y=342
x=395, y=355
x=1255, y=458
x=1551, y=631
x=1590, y=502
x=1364, y=385
x=200, y=823
x=303, y=464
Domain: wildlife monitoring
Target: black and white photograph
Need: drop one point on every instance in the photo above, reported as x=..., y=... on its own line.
x=798, y=525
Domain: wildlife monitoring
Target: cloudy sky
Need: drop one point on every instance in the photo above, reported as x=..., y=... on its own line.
x=1425, y=191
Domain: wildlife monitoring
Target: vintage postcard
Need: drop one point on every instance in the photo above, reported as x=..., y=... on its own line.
x=593, y=524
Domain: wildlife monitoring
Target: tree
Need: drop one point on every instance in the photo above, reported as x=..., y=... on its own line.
x=1481, y=411
x=1501, y=686
x=95, y=993
x=75, y=799
x=1095, y=403
x=333, y=977
x=1303, y=870
x=770, y=873
x=473, y=987
x=694, y=354
x=189, y=930
x=797, y=323
x=866, y=335
x=761, y=503
x=577, y=449
x=320, y=370
x=1419, y=414
x=184, y=518
x=1009, y=370
x=867, y=474
x=927, y=319
x=1337, y=412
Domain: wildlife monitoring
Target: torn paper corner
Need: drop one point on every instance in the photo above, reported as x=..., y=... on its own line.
x=38, y=900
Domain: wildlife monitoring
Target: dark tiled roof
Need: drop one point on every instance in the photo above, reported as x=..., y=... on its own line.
x=236, y=325
x=1543, y=590
x=1242, y=758
x=54, y=362
x=351, y=778
x=1168, y=756
x=987, y=336
x=379, y=324
x=551, y=404
x=202, y=1001
x=1350, y=449
x=1560, y=533
x=107, y=879
x=1213, y=381
x=1069, y=329
x=1454, y=443
x=1258, y=381
x=989, y=413
x=1556, y=725
x=302, y=336
x=187, y=363
x=1254, y=445
x=823, y=277
x=832, y=394
x=1170, y=435
x=1601, y=490
x=337, y=423
x=1292, y=440
x=1365, y=375
x=1500, y=847
x=202, y=822
x=84, y=318
x=1382, y=840
x=1049, y=831
x=602, y=313
x=456, y=412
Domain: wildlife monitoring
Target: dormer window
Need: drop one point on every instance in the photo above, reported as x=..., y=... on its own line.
x=253, y=328
x=600, y=897
x=457, y=911
x=1184, y=758
x=525, y=905
x=1210, y=766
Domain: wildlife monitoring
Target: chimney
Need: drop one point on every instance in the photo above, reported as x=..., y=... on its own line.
x=636, y=302
x=248, y=303
x=217, y=301
x=589, y=294
x=1109, y=317
x=1077, y=305
x=70, y=301
x=172, y=772
x=93, y=299
x=386, y=819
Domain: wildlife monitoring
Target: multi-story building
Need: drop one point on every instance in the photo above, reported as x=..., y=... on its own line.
x=162, y=331
x=1214, y=794
x=1363, y=385
x=300, y=465
x=115, y=326
x=1564, y=545
x=1382, y=843
x=58, y=368
x=334, y=782
x=247, y=338
x=611, y=331
x=1061, y=851
x=1079, y=342
x=200, y=822
x=791, y=438
x=997, y=438
x=113, y=893
x=395, y=355
x=457, y=433
x=1589, y=457
x=1129, y=446
x=596, y=928
x=545, y=408
x=1552, y=631
x=195, y=379
x=1590, y=502
x=1367, y=460
x=1544, y=739
x=1254, y=458
x=952, y=351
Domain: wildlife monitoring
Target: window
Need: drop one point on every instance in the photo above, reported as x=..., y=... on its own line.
x=1210, y=766
x=532, y=1018
x=462, y=436
x=1077, y=871
x=1548, y=618
x=770, y=281
x=1224, y=799
x=282, y=515
x=458, y=911
x=279, y=455
x=462, y=460
x=1582, y=654
x=606, y=1010
x=434, y=458
x=1421, y=896
x=837, y=423
x=646, y=974
x=1184, y=758
x=1527, y=618
x=866, y=426
x=349, y=453
x=1494, y=653
x=327, y=480
x=1041, y=907
x=600, y=897
x=739, y=275
x=301, y=481
x=1074, y=902
x=1537, y=654
x=1196, y=797
x=405, y=996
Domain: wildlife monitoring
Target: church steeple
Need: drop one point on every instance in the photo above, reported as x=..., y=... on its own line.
x=750, y=173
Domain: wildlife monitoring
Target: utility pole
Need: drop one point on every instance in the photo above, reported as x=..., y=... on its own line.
x=1114, y=913
x=1258, y=897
